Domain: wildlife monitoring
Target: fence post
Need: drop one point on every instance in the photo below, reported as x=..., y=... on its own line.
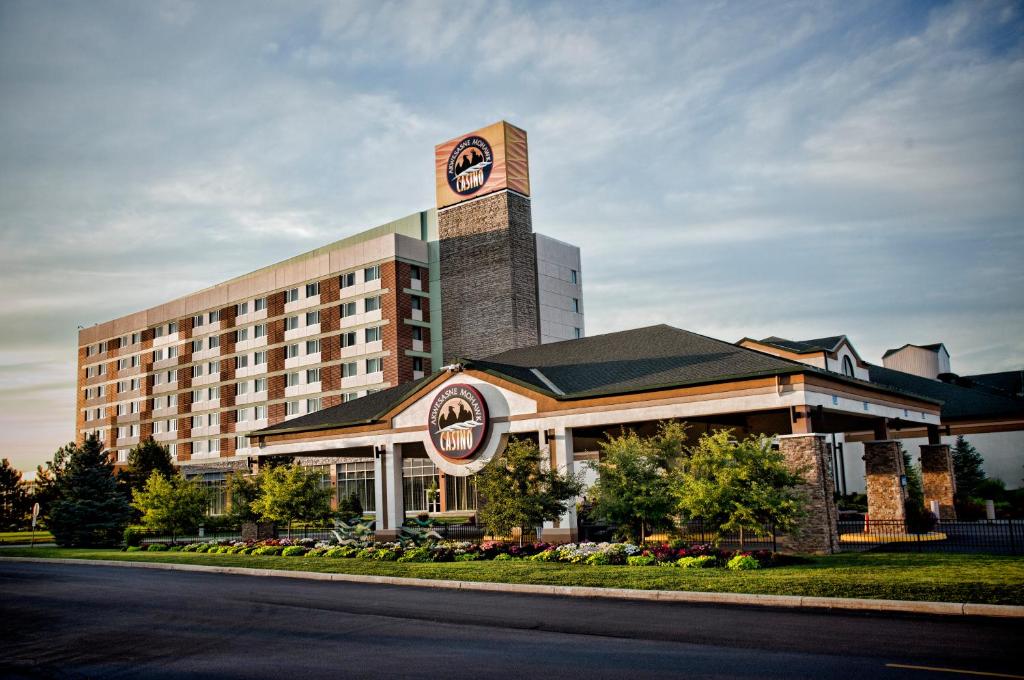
x=1013, y=543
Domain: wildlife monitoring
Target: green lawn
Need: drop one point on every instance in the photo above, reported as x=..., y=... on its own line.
x=950, y=578
x=8, y=537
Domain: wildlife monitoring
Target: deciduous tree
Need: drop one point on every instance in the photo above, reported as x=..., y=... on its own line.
x=289, y=493
x=173, y=505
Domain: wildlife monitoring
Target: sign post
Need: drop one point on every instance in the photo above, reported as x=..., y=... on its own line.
x=35, y=518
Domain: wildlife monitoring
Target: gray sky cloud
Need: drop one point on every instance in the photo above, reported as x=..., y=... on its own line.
x=801, y=169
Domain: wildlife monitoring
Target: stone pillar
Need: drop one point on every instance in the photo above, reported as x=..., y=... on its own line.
x=938, y=479
x=564, y=529
x=818, y=532
x=884, y=473
x=388, y=491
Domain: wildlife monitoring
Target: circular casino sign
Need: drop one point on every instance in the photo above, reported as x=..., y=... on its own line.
x=457, y=421
x=469, y=165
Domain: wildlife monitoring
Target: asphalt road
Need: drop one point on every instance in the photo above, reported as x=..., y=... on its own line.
x=113, y=622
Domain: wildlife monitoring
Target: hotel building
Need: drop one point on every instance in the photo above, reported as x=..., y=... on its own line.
x=366, y=313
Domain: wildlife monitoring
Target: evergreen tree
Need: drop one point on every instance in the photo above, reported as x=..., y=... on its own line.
x=967, y=467
x=518, y=491
x=14, y=498
x=46, y=490
x=739, y=485
x=173, y=505
x=919, y=518
x=634, y=486
x=89, y=510
x=144, y=459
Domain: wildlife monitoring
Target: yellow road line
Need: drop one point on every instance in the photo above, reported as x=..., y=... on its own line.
x=953, y=670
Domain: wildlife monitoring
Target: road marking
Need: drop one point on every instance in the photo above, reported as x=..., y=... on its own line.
x=954, y=670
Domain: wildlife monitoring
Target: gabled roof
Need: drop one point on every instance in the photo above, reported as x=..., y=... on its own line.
x=958, y=401
x=934, y=347
x=829, y=344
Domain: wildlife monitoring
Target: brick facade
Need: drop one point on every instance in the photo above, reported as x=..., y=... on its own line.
x=884, y=472
x=938, y=478
x=818, y=531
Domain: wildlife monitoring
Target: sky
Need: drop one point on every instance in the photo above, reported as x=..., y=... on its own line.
x=734, y=169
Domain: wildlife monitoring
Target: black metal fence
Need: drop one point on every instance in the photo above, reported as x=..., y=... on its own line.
x=693, y=533
x=1003, y=537
x=472, y=532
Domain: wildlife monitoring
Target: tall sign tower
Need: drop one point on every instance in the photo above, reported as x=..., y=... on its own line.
x=489, y=300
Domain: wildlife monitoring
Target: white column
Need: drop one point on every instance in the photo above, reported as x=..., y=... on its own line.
x=395, y=499
x=379, y=494
x=566, y=527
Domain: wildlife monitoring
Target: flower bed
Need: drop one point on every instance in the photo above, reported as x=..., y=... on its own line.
x=593, y=554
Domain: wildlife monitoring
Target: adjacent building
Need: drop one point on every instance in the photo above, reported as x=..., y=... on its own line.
x=366, y=313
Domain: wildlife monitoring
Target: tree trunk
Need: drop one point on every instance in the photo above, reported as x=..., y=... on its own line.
x=741, y=539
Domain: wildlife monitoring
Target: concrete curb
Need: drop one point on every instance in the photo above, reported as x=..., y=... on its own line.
x=741, y=599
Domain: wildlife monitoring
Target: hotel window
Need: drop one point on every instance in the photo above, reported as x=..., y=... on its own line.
x=214, y=316
x=197, y=395
x=847, y=366
x=197, y=320
x=348, y=280
x=350, y=396
x=213, y=445
x=172, y=425
x=122, y=432
x=291, y=351
x=418, y=475
x=241, y=415
x=576, y=305
x=373, y=365
x=372, y=304
x=122, y=364
x=122, y=409
x=133, y=430
x=347, y=309
x=172, y=376
x=578, y=332
x=574, y=276
x=103, y=370
x=122, y=386
x=213, y=367
x=172, y=351
x=460, y=493
x=241, y=335
x=348, y=339
x=417, y=333
x=417, y=364
x=213, y=342
x=259, y=304
x=414, y=273
x=197, y=346
x=172, y=400
x=312, y=347
x=242, y=388
x=172, y=449
x=312, y=289
x=259, y=330
x=158, y=332
x=123, y=342
x=213, y=418
x=133, y=407
x=312, y=375
x=241, y=308
x=213, y=393
x=259, y=385
x=172, y=328
x=291, y=408
x=135, y=360
x=158, y=355
x=349, y=370
x=291, y=295
x=292, y=379
x=312, y=405
x=371, y=273
x=358, y=478
x=291, y=323
x=242, y=361
x=259, y=412
x=157, y=427
x=259, y=358
x=101, y=391
x=312, y=318
x=136, y=338
x=197, y=421
x=373, y=334
x=417, y=303
x=197, y=371
x=241, y=442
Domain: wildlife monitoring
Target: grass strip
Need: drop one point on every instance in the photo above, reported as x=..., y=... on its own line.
x=982, y=579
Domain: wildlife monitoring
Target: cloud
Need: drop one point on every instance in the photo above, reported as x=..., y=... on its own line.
x=798, y=169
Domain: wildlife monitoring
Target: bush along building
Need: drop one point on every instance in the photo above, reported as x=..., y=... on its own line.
x=367, y=313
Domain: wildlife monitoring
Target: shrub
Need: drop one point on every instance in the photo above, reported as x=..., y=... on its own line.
x=134, y=548
x=743, y=563
x=599, y=559
x=699, y=562
x=467, y=557
x=174, y=548
x=641, y=560
x=294, y=551
x=386, y=555
x=316, y=552
x=157, y=547
x=503, y=557
x=366, y=553
x=268, y=550
x=132, y=537
x=422, y=554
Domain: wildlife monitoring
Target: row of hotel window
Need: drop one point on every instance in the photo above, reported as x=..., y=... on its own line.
x=349, y=369
x=242, y=415
x=347, y=339
x=291, y=323
x=346, y=280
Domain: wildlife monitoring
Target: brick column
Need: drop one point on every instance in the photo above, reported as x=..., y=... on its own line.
x=883, y=469
x=818, y=531
x=938, y=479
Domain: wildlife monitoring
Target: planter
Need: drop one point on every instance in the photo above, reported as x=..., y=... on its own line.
x=258, y=531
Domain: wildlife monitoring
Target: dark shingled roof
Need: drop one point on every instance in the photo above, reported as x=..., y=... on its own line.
x=631, y=361
x=828, y=344
x=958, y=401
x=356, y=412
x=1011, y=382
